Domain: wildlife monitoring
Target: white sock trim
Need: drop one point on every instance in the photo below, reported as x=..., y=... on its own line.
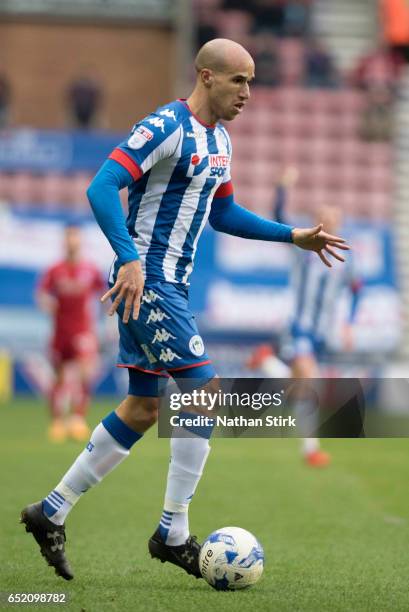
x=172, y=506
x=69, y=494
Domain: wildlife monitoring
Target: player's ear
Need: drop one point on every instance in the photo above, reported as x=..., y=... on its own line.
x=207, y=77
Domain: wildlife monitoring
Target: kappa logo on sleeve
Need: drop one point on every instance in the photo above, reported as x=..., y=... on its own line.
x=168, y=113
x=141, y=136
x=159, y=123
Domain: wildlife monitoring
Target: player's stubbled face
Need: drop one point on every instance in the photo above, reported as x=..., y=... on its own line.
x=230, y=91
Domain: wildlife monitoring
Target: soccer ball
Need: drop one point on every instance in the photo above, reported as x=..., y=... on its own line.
x=231, y=558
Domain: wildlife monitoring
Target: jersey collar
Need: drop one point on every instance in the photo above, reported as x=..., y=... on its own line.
x=186, y=105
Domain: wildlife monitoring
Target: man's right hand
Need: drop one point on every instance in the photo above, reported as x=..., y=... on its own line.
x=129, y=287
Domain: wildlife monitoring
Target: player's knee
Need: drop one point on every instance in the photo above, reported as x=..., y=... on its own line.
x=141, y=412
x=210, y=403
x=149, y=412
x=304, y=367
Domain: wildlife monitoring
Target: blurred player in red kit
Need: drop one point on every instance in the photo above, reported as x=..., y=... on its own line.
x=66, y=293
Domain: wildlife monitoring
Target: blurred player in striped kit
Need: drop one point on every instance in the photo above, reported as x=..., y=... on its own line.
x=176, y=165
x=66, y=292
x=316, y=289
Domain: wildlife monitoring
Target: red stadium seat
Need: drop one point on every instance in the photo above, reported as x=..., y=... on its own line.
x=52, y=189
x=6, y=186
x=22, y=187
x=319, y=132
x=80, y=184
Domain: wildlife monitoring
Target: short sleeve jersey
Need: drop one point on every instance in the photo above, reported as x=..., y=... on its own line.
x=177, y=163
x=73, y=285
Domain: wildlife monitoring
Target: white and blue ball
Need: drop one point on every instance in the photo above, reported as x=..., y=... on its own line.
x=231, y=558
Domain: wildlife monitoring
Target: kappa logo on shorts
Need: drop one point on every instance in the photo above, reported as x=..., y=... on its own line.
x=196, y=345
x=141, y=136
x=156, y=315
x=162, y=335
x=149, y=355
x=168, y=355
x=150, y=296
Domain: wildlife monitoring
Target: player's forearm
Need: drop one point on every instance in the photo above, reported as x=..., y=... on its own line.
x=279, y=204
x=228, y=217
x=103, y=195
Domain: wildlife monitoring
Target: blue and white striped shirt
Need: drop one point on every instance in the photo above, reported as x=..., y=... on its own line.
x=316, y=288
x=178, y=164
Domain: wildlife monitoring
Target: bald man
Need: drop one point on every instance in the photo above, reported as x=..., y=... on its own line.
x=176, y=165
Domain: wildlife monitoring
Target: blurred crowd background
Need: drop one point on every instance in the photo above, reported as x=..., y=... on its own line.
x=331, y=97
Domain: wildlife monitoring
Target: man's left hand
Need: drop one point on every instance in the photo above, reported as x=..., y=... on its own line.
x=314, y=239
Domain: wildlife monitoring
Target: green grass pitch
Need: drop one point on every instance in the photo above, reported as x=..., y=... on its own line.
x=334, y=539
